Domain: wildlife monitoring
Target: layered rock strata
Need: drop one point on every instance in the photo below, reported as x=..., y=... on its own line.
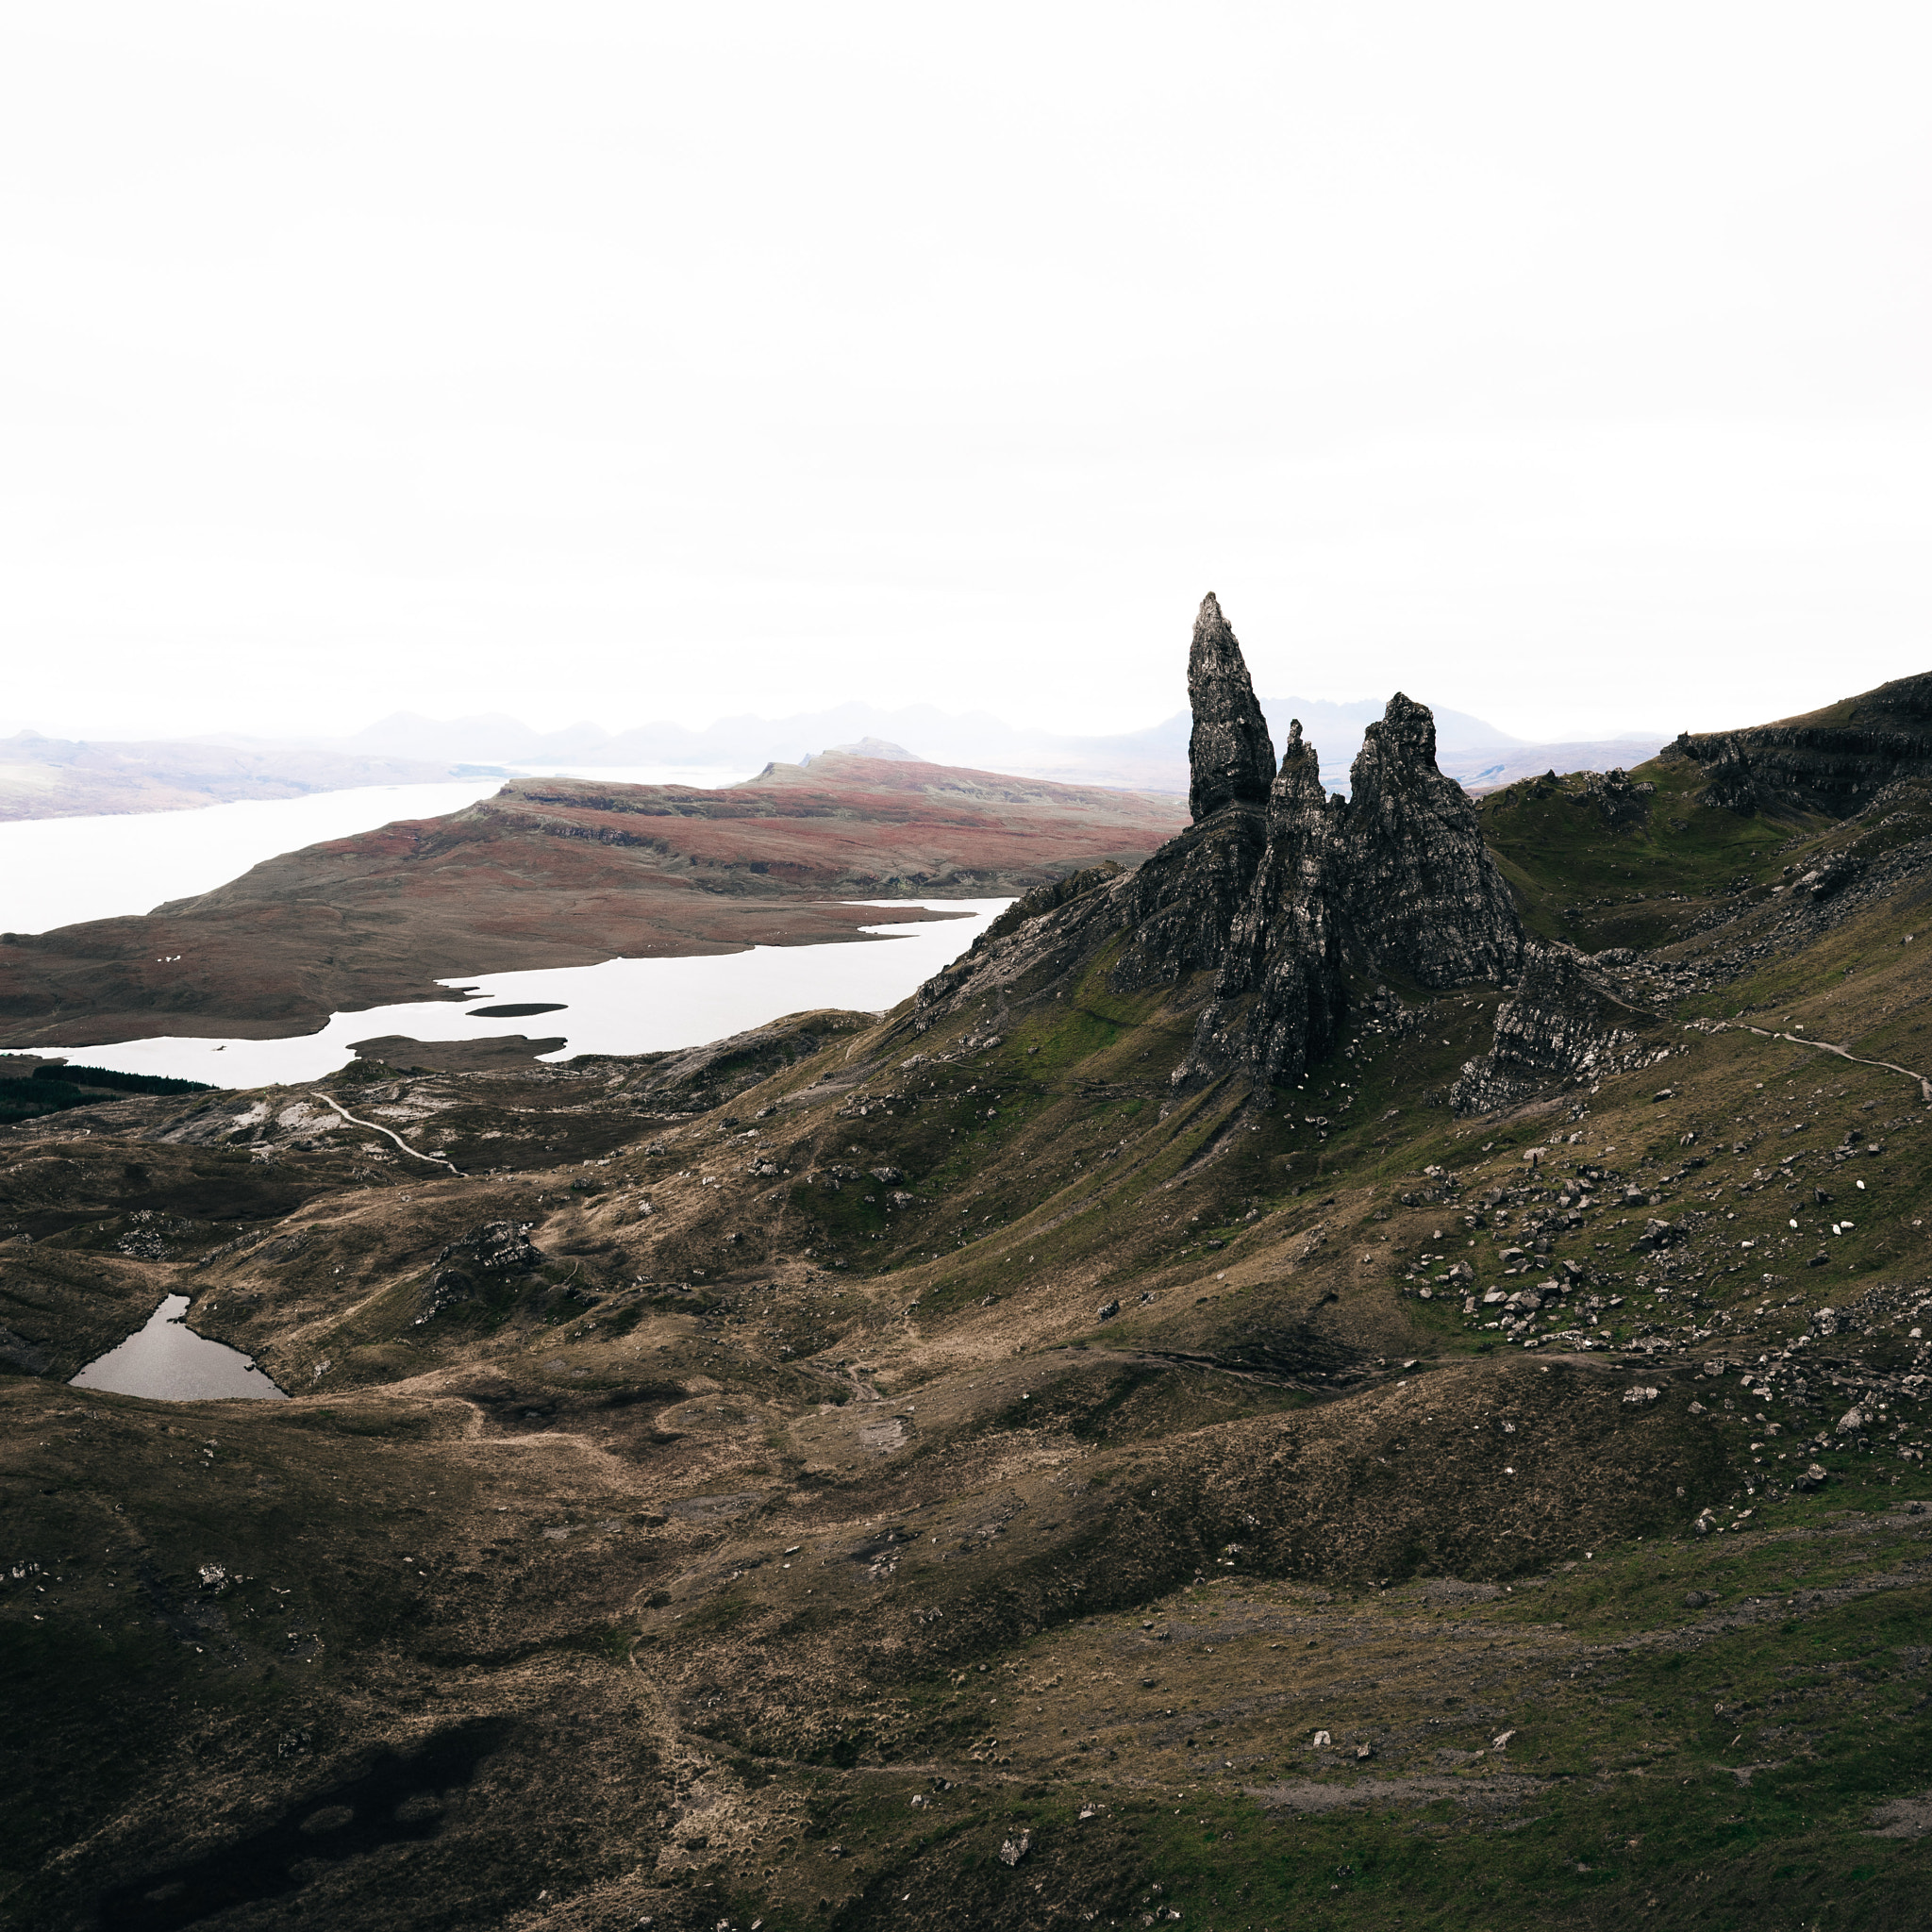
x=1559, y=1028
x=1279, y=999
x=1425, y=898
x=1395, y=880
x=1834, y=762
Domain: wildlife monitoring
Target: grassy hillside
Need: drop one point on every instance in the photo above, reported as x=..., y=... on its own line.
x=950, y=1479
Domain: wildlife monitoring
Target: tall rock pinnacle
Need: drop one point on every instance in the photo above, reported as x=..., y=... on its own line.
x=1230, y=755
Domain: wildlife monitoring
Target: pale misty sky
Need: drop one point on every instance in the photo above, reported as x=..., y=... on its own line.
x=1567, y=365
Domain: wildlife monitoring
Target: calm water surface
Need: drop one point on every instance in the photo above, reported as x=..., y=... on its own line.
x=620, y=1007
x=169, y=1362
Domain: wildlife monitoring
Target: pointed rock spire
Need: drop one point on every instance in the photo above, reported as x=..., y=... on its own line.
x=1230, y=755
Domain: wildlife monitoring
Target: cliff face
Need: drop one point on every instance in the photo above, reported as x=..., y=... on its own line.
x=1280, y=998
x=1182, y=904
x=1559, y=1027
x=1834, y=762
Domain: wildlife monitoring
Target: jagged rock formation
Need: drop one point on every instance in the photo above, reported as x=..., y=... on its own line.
x=1281, y=997
x=1425, y=898
x=1558, y=1029
x=1183, y=902
x=1395, y=880
x=1834, y=761
x=1622, y=800
x=1230, y=755
x=1275, y=889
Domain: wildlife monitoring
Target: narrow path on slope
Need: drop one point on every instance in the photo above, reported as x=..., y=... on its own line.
x=1858, y=1060
x=415, y=1152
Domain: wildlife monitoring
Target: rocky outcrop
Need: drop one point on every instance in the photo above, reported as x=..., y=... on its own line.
x=1280, y=999
x=1423, y=898
x=1559, y=1028
x=1623, y=801
x=1395, y=880
x=1230, y=755
x=1181, y=904
x=1275, y=889
x=1833, y=762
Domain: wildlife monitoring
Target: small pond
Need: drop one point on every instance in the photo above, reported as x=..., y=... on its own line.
x=169, y=1362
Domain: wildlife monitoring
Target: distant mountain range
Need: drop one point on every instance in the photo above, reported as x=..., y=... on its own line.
x=1470, y=749
x=53, y=778
x=67, y=777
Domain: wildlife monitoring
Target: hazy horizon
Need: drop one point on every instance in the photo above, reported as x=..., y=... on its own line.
x=377, y=731
x=654, y=364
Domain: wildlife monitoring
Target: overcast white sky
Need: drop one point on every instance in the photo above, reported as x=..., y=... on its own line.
x=1564, y=364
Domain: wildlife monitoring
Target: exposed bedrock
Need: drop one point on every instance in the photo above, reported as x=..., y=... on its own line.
x=1275, y=889
x=1181, y=904
x=1557, y=1029
x=1395, y=880
x=1230, y=755
x=1835, y=761
x=1423, y=898
x=1279, y=1000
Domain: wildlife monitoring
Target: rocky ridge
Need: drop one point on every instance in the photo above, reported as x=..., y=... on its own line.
x=1833, y=761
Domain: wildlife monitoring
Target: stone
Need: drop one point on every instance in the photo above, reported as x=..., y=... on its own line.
x=1322, y=1740
x=1279, y=1000
x=1230, y=755
x=1557, y=1028
x=1181, y=904
x=1016, y=1848
x=1106, y=1311
x=1810, y=765
x=1851, y=1423
x=1815, y=1478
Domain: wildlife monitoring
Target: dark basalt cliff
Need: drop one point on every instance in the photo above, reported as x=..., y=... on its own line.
x=1281, y=994
x=1257, y=918
x=1835, y=761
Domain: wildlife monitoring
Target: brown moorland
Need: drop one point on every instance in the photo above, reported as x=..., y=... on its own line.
x=968, y=1469
x=562, y=872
